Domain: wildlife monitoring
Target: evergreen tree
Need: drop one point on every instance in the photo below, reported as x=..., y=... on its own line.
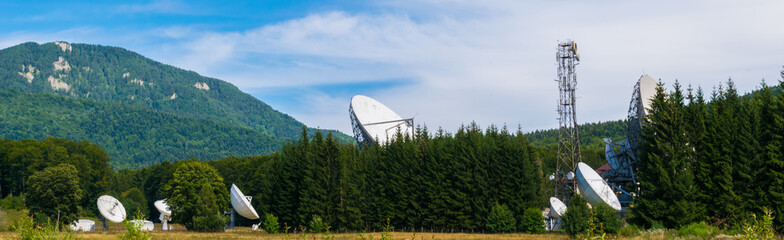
x=668, y=191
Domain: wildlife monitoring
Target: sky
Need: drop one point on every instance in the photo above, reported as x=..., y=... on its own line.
x=445, y=63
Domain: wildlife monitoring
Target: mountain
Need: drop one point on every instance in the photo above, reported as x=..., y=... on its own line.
x=139, y=110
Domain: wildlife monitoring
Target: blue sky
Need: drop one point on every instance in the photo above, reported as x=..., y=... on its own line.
x=447, y=62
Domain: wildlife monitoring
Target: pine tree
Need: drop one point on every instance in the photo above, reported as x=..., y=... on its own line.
x=668, y=191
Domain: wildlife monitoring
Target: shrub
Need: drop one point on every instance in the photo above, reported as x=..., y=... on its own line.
x=501, y=219
x=27, y=229
x=271, y=223
x=12, y=202
x=700, y=229
x=577, y=216
x=759, y=229
x=134, y=228
x=317, y=224
x=209, y=223
x=608, y=218
x=533, y=221
x=629, y=230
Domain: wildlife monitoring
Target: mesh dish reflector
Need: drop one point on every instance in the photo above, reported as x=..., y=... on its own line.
x=594, y=189
x=371, y=114
x=111, y=208
x=162, y=207
x=557, y=208
x=647, y=91
x=241, y=203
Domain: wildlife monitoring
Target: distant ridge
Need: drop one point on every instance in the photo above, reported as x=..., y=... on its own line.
x=128, y=89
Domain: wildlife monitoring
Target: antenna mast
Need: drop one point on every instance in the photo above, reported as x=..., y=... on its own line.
x=568, y=134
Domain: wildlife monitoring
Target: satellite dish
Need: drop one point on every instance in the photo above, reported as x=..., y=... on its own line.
x=144, y=225
x=375, y=122
x=165, y=211
x=241, y=203
x=557, y=208
x=570, y=175
x=83, y=225
x=647, y=91
x=552, y=177
x=111, y=208
x=593, y=188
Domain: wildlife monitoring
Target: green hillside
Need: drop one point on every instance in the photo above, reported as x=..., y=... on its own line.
x=139, y=110
x=591, y=135
x=133, y=136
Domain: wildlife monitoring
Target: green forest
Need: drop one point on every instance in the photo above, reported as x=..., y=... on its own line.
x=716, y=158
x=138, y=110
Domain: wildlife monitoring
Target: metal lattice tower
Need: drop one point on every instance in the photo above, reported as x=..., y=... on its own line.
x=568, y=134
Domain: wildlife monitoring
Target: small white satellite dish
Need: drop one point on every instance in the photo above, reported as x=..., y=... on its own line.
x=83, y=225
x=111, y=208
x=144, y=225
x=241, y=203
x=570, y=175
x=647, y=91
x=557, y=208
x=594, y=189
x=552, y=177
x=375, y=122
x=165, y=211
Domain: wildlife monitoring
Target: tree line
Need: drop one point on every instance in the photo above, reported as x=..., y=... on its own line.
x=716, y=158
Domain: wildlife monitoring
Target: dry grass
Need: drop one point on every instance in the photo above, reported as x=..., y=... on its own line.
x=247, y=234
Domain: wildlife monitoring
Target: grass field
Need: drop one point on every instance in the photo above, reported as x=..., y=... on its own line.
x=246, y=233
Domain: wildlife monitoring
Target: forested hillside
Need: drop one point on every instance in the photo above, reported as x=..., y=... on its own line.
x=117, y=78
x=134, y=136
x=591, y=135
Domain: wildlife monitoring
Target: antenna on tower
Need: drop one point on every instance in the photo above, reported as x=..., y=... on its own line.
x=568, y=134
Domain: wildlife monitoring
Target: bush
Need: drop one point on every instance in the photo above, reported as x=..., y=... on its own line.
x=134, y=228
x=700, y=229
x=533, y=221
x=629, y=230
x=317, y=225
x=608, y=218
x=27, y=229
x=577, y=216
x=501, y=219
x=210, y=223
x=759, y=229
x=271, y=223
x=12, y=202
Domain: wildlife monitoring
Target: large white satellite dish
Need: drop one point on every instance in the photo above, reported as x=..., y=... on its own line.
x=557, y=208
x=165, y=211
x=83, y=225
x=111, y=208
x=241, y=203
x=594, y=189
x=647, y=91
x=375, y=122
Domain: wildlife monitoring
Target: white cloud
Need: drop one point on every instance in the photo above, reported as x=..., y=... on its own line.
x=485, y=61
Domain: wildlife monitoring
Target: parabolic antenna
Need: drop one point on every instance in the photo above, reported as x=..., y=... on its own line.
x=241, y=203
x=647, y=91
x=162, y=207
x=594, y=189
x=375, y=122
x=165, y=211
x=83, y=225
x=111, y=208
x=557, y=208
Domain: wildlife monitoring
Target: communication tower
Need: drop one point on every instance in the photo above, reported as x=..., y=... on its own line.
x=568, y=134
